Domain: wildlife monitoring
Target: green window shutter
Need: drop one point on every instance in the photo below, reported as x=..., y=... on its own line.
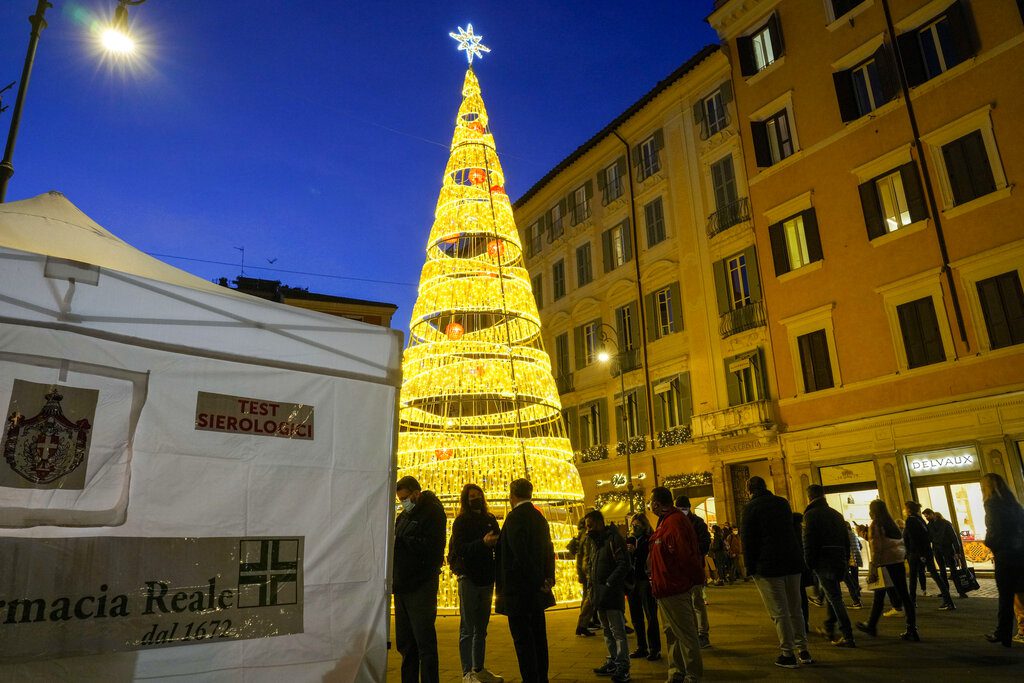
x=627, y=241
x=652, y=322
x=721, y=287
x=759, y=136
x=577, y=337
x=620, y=426
x=659, y=413
x=685, y=399
x=659, y=140
x=620, y=164
x=634, y=323
x=698, y=112
x=600, y=180
x=677, y=307
x=732, y=384
x=606, y=249
x=569, y=420
x=775, y=30
x=780, y=256
x=726, y=90
x=912, y=189
x=873, y=218
x=762, y=372
x=753, y=275
x=589, y=189
x=812, y=236
x=603, y=409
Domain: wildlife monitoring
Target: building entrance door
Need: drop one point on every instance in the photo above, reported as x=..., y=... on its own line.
x=961, y=504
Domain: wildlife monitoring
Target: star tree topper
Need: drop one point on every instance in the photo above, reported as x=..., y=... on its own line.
x=470, y=43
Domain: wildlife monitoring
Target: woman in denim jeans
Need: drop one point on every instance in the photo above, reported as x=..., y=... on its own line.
x=887, y=556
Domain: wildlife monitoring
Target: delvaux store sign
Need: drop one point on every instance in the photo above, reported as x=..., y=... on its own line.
x=78, y=596
x=246, y=415
x=942, y=462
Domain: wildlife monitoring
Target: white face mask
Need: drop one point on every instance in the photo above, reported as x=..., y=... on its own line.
x=407, y=504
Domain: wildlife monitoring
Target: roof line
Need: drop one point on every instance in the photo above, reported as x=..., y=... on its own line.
x=661, y=86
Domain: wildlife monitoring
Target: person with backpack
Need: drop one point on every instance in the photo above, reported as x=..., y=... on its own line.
x=608, y=571
x=643, y=609
x=700, y=606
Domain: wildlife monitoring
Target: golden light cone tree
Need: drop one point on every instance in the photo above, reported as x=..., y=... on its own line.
x=479, y=403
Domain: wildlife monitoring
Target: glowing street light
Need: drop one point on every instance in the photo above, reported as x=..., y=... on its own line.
x=115, y=40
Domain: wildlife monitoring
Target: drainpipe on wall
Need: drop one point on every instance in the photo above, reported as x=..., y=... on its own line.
x=640, y=294
x=929, y=189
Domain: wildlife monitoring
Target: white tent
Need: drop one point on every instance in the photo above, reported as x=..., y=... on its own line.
x=194, y=483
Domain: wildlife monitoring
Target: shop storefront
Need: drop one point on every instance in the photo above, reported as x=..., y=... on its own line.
x=696, y=486
x=948, y=481
x=850, y=487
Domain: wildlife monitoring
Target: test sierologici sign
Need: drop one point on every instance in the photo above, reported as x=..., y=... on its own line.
x=77, y=596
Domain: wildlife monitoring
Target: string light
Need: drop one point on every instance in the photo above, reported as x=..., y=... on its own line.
x=479, y=402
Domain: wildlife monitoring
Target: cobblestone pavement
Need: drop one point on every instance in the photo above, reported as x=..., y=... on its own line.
x=743, y=638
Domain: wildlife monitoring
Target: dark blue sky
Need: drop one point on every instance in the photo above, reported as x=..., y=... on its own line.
x=316, y=133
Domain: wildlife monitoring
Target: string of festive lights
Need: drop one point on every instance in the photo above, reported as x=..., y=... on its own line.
x=479, y=402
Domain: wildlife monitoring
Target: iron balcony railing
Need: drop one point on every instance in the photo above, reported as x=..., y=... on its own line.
x=729, y=215
x=741, y=319
x=564, y=383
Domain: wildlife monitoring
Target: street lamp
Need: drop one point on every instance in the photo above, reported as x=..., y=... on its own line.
x=115, y=39
x=603, y=356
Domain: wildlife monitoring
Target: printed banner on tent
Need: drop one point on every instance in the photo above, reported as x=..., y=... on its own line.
x=61, y=597
x=242, y=415
x=47, y=435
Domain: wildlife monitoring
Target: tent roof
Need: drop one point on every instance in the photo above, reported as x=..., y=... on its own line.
x=140, y=299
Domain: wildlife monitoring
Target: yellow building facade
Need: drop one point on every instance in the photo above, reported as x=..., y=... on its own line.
x=643, y=261
x=882, y=147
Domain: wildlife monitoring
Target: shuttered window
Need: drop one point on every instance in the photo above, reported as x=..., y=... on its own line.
x=617, y=246
x=584, y=267
x=867, y=85
x=537, y=284
x=814, y=361
x=647, y=155
x=938, y=45
x=920, y=329
x=761, y=47
x=893, y=200
x=968, y=168
x=558, y=279
x=654, y=218
x=795, y=242
x=611, y=181
x=562, y=365
x=1002, y=305
x=772, y=138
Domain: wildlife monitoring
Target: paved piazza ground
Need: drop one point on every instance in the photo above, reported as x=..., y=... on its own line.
x=743, y=639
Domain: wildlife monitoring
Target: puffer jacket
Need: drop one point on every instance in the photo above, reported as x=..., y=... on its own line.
x=607, y=567
x=771, y=547
x=826, y=541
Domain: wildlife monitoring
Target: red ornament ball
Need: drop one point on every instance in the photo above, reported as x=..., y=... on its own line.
x=496, y=248
x=454, y=331
x=442, y=453
x=497, y=189
x=477, y=176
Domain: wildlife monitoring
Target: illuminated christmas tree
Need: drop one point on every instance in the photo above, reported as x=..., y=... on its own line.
x=479, y=403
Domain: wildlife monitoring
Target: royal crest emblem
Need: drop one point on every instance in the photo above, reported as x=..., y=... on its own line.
x=48, y=446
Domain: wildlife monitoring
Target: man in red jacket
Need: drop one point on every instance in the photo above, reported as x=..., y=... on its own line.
x=677, y=569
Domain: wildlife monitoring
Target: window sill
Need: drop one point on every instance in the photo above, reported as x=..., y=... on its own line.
x=977, y=203
x=751, y=80
x=917, y=226
x=802, y=270
x=838, y=22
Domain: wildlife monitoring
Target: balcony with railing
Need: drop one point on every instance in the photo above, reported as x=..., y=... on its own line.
x=729, y=215
x=733, y=420
x=628, y=361
x=564, y=383
x=742, y=319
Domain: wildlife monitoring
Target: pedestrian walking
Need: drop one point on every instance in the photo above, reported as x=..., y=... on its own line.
x=677, y=571
x=700, y=604
x=607, y=571
x=887, y=571
x=643, y=608
x=580, y=549
x=774, y=558
x=471, y=559
x=1004, y=536
x=419, y=553
x=524, y=576
x=806, y=578
x=720, y=556
x=853, y=571
x=920, y=557
x=946, y=545
x=826, y=541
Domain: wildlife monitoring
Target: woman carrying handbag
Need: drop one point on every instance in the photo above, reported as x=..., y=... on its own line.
x=887, y=571
x=1004, y=521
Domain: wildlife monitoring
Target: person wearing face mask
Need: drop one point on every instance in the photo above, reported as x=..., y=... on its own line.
x=419, y=553
x=677, y=570
x=643, y=610
x=700, y=603
x=471, y=559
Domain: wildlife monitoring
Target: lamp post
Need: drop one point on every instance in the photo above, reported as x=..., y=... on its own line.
x=603, y=356
x=115, y=39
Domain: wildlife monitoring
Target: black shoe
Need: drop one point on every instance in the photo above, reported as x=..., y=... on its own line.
x=949, y=606
x=621, y=678
x=606, y=669
x=805, y=657
x=843, y=641
x=964, y=596
x=584, y=632
x=828, y=635
x=870, y=630
x=654, y=656
x=994, y=638
x=856, y=605
x=705, y=642
x=787, y=662
x=637, y=654
x=911, y=635
x=817, y=602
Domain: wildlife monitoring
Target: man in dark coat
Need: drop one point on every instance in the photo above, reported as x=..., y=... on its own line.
x=774, y=558
x=700, y=606
x=419, y=552
x=827, y=553
x=946, y=544
x=525, y=561
x=919, y=554
x=606, y=578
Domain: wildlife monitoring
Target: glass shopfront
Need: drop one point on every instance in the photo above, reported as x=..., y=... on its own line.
x=850, y=487
x=948, y=482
